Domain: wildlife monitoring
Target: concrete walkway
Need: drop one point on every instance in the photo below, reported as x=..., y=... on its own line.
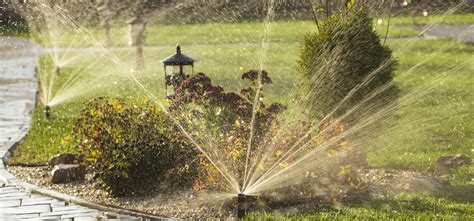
x=460, y=32
x=18, y=86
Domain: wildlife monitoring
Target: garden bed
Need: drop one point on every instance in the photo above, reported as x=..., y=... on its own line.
x=380, y=183
x=181, y=204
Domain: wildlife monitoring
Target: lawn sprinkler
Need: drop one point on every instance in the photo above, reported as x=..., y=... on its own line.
x=241, y=205
x=58, y=71
x=47, y=111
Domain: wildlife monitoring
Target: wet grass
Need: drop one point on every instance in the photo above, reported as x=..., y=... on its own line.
x=404, y=207
x=440, y=123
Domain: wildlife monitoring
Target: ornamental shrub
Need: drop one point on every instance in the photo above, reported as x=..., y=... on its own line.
x=132, y=147
x=345, y=54
x=221, y=122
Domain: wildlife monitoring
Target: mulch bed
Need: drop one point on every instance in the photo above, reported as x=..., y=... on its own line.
x=381, y=184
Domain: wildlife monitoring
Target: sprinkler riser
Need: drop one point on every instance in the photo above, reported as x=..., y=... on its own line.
x=58, y=71
x=241, y=205
x=47, y=111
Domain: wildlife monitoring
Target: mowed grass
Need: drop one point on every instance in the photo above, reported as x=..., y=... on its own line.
x=221, y=33
x=403, y=207
x=440, y=122
x=437, y=74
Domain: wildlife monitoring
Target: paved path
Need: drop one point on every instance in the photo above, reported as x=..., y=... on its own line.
x=18, y=86
x=460, y=32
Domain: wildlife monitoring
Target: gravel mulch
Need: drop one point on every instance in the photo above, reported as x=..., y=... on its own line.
x=184, y=204
x=381, y=183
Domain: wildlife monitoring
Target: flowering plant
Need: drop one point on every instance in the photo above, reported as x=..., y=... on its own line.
x=223, y=124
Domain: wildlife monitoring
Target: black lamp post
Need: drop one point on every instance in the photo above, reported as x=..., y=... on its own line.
x=176, y=66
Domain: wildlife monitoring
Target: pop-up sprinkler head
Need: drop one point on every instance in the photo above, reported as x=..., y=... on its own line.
x=241, y=205
x=58, y=70
x=47, y=111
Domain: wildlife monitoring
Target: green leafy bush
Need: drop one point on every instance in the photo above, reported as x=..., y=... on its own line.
x=345, y=55
x=133, y=148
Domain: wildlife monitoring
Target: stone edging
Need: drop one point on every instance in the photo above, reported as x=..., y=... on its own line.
x=9, y=179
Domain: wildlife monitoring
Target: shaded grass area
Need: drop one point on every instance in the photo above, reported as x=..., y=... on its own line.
x=19, y=31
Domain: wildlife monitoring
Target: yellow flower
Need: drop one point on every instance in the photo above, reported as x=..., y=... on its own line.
x=342, y=171
x=237, y=123
x=210, y=179
x=344, y=143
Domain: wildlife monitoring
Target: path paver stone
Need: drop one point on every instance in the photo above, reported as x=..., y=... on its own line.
x=10, y=203
x=460, y=32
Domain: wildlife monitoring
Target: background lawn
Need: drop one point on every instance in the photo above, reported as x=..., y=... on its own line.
x=440, y=123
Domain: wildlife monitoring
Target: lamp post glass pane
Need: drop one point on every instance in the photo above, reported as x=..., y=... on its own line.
x=175, y=69
x=176, y=74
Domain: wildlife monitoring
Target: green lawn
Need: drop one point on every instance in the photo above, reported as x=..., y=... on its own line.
x=441, y=122
x=404, y=207
x=247, y=32
x=206, y=34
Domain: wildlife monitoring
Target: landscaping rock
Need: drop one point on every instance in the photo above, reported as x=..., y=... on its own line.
x=64, y=158
x=447, y=163
x=66, y=173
